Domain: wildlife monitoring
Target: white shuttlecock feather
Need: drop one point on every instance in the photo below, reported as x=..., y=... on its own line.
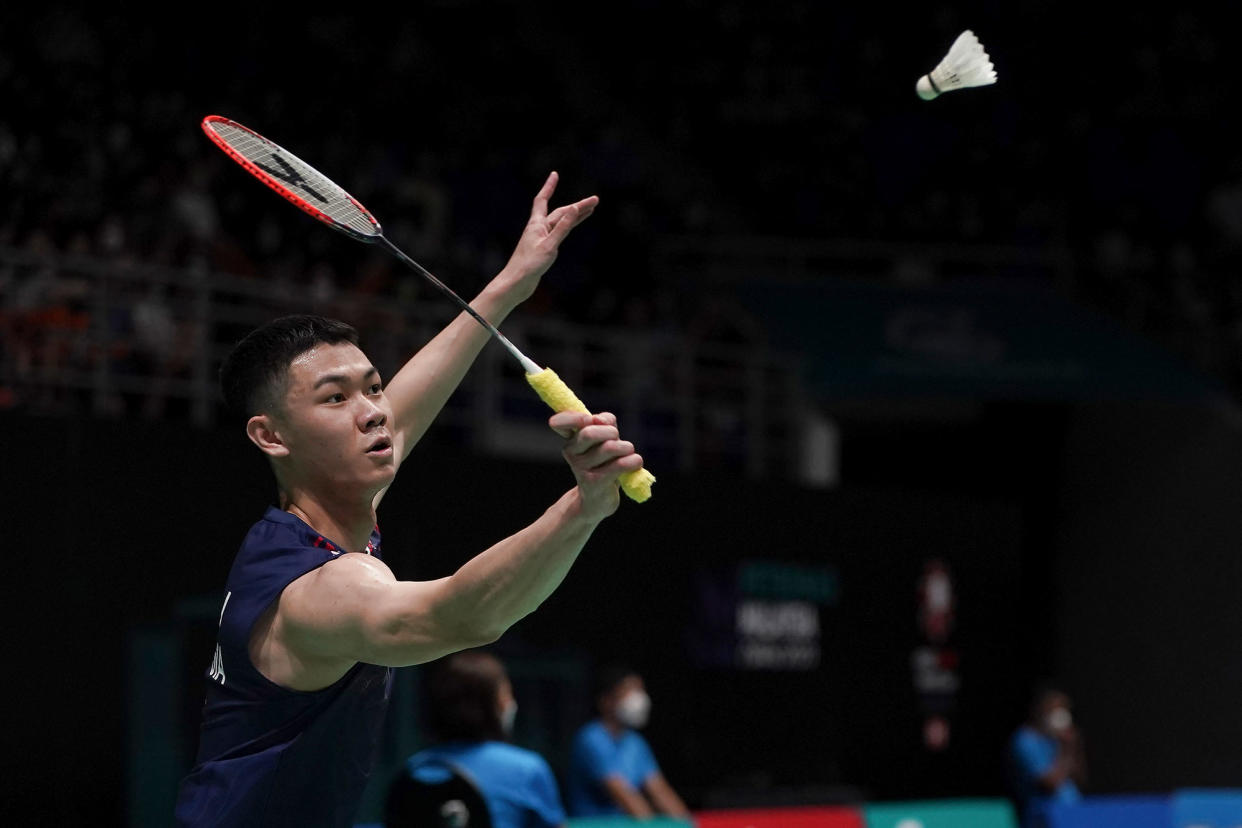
x=964, y=66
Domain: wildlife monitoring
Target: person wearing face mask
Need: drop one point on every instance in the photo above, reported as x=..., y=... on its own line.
x=612, y=770
x=470, y=714
x=1046, y=756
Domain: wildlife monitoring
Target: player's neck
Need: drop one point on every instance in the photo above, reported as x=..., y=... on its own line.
x=613, y=726
x=344, y=522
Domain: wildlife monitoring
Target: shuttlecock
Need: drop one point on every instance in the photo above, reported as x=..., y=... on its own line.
x=964, y=66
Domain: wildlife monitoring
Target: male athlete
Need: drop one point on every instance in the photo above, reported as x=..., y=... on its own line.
x=312, y=621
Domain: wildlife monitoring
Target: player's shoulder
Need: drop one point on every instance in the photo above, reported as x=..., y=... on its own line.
x=633, y=740
x=275, y=528
x=634, y=736
x=525, y=767
x=348, y=574
x=586, y=730
x=519, y=757
x=1026, y=738
x=593, y=734
x=279, y=532
x=353, y=567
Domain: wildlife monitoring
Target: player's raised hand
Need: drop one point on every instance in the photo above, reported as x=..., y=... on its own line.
x=597, y=455
x=541, y=239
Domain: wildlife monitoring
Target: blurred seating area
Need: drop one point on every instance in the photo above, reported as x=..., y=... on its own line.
x=770, y=128
x=140, y=341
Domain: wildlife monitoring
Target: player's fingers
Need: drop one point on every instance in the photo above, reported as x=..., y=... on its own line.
x=540, y=206
x=558, y=233
x=630, y=462
x=603, y=454
x=585, y=207
x=569, y=423
x=589, y=437
x=617, y=466
x=605, y=418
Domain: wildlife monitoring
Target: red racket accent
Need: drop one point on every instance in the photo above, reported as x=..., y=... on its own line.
x=299, y=183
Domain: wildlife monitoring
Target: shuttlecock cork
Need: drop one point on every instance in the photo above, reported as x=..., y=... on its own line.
x=966, y=65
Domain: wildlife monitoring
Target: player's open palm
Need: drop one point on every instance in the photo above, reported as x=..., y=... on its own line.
x=542, y=237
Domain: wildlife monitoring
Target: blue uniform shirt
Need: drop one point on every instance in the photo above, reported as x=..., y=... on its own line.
x=1033, y=753
x=517, y=784
x=270, y=756
x=596, y=756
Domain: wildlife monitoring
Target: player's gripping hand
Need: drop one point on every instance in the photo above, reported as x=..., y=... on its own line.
x=597, y=455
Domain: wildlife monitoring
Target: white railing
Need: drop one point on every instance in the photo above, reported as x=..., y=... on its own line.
x=114, y=339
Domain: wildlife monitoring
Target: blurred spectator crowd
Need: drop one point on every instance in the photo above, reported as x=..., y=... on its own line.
x=692, y=119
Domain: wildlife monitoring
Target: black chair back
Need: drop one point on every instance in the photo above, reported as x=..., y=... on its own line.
x=455, y=802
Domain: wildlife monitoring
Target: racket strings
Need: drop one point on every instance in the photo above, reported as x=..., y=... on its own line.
x=277, y=166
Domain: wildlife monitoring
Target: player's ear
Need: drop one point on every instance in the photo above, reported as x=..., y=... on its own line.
x=262, y=431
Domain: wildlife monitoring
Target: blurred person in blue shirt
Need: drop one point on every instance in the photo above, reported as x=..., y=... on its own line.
x=612, y=770
x=1046, y=756
x=471, y=710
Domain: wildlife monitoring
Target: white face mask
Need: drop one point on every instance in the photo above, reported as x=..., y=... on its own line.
x=1058, y=720
x=507, y=717
x=634, y=709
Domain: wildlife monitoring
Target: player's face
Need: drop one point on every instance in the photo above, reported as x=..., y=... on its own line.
x=337, y=420
x=1054, y=712
x=628, y=685
x=504, y=695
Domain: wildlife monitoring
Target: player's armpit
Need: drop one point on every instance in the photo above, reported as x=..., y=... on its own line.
x=353, y=608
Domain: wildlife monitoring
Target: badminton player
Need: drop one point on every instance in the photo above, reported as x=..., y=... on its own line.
x=312, y=621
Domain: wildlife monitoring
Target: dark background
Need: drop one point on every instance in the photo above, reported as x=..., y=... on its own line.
x=1092, y=531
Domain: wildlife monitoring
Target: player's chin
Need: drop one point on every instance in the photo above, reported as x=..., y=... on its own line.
x=382, y=469
x=386, y=469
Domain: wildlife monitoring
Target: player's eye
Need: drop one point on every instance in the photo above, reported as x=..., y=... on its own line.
x=377, y=387
x=337, y=397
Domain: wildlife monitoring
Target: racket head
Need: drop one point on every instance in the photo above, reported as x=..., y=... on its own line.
x=297, y=182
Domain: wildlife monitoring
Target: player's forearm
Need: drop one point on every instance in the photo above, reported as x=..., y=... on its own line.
x=423, y=385
x=629, y=800
x=665, y=798
x=1060, y=770
x=505, y=583
x=415, y=622
x=1078, y=771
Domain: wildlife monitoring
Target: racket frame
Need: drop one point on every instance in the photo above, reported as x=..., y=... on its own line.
x=283, y=191
x=528, y=365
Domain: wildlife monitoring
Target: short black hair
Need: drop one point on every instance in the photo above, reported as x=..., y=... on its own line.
x=610, y=676
x=461, y=698
x=256, y=369
x=1044, y=690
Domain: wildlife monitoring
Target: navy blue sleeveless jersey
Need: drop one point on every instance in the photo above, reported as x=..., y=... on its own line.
x=270, y=756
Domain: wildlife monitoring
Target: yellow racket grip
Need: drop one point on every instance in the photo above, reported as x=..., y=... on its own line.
x=553, y=391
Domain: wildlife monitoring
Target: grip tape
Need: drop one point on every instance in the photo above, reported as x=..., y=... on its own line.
x=553, y=391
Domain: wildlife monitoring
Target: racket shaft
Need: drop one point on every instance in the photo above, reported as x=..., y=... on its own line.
x=553, y=391
x=527, y=364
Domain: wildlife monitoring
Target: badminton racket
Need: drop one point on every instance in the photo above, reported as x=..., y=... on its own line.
x=317, y=195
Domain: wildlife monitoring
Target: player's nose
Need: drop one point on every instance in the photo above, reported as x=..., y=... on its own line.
x=371, y=416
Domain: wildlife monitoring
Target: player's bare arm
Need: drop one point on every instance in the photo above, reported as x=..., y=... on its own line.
x=353, y=609
x=664, y=797
x=628, y=799
x=421, y=388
